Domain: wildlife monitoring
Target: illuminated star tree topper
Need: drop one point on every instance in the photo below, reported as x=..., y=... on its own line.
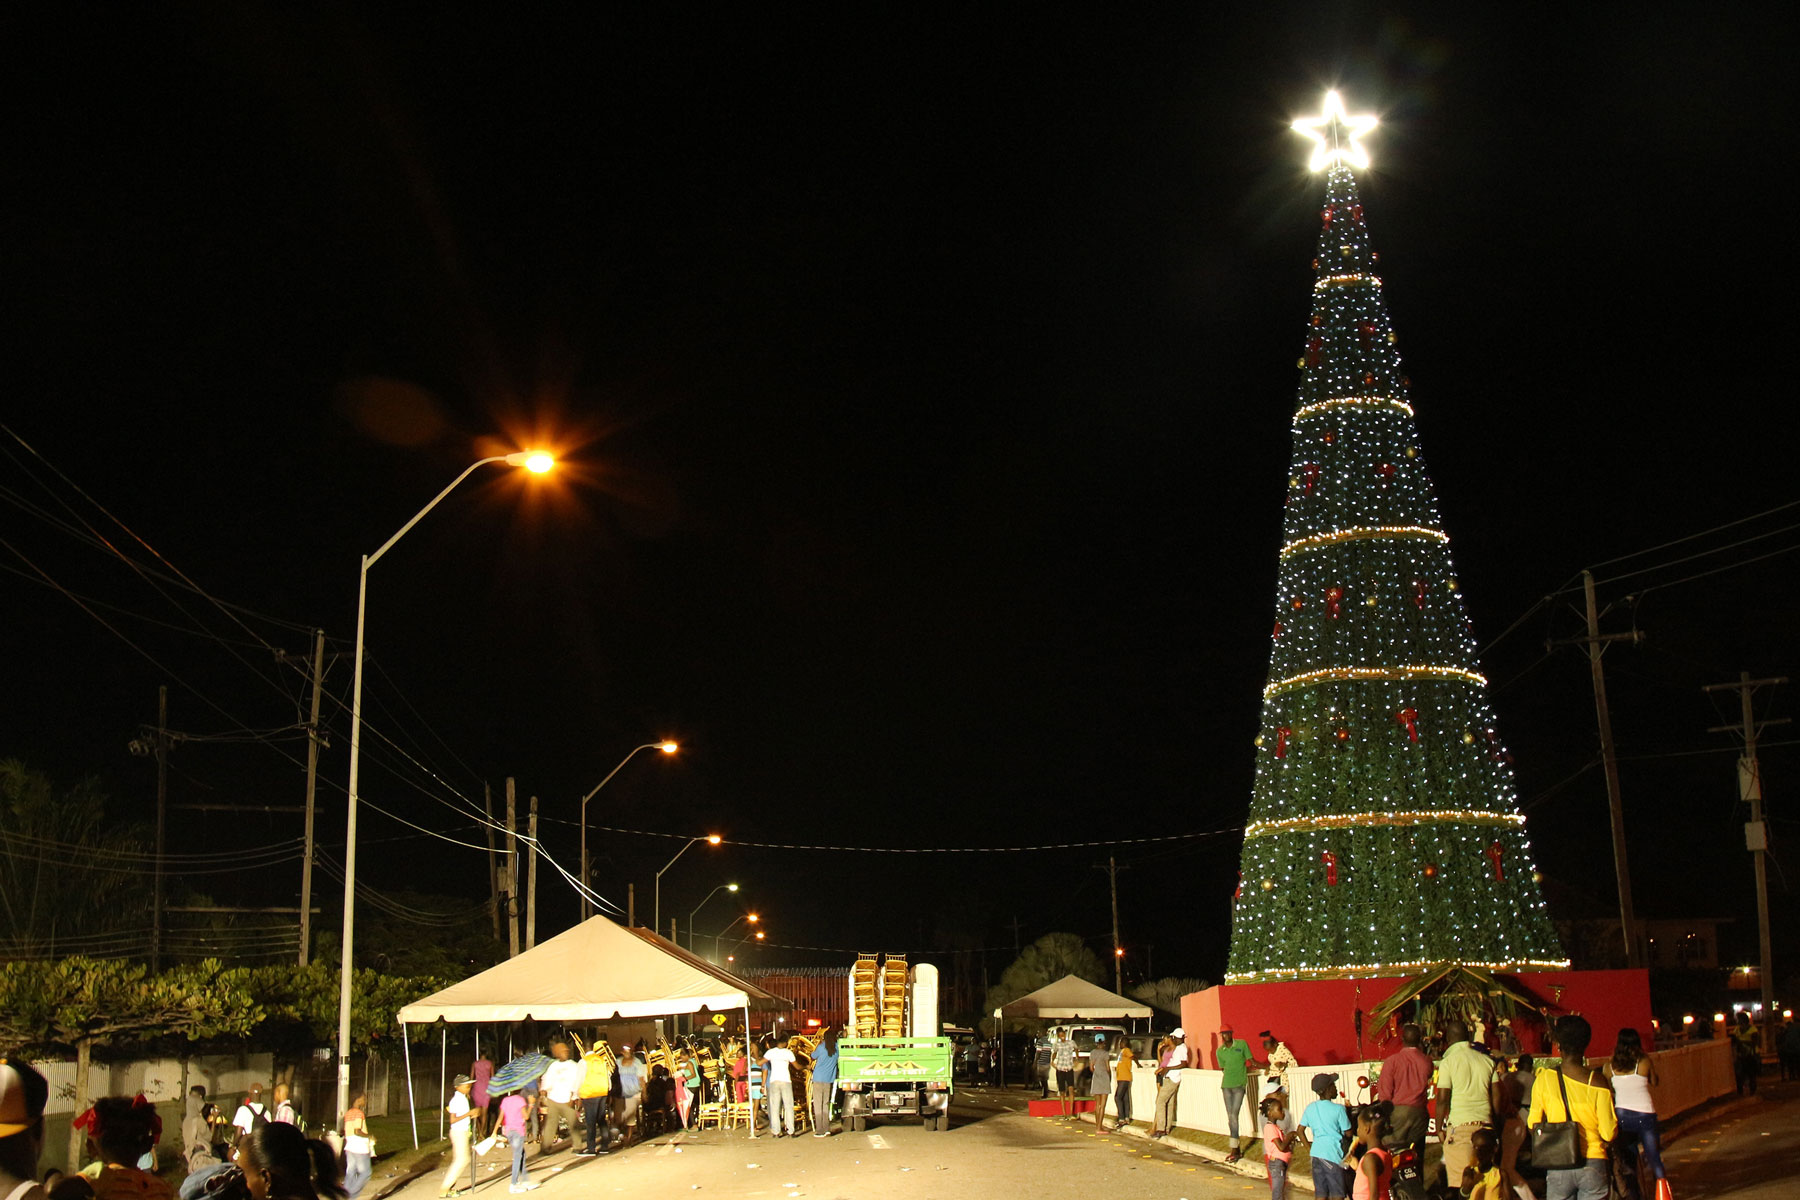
x=1335, y=133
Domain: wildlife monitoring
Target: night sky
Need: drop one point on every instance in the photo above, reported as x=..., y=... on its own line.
x=921, y=379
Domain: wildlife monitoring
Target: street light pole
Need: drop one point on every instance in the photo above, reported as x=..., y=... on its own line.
x=536, y=462
x=587, y=908
x=720, y=936
x=712, y=839
x=723, y=887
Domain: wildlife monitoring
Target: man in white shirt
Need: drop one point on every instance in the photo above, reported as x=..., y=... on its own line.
x=561, y=1087
x=460, y=1129
x=251, y=1110
x=781, y=1087
x=1169, y=1066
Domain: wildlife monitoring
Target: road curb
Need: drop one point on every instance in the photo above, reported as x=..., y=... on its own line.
x=1246, y=1167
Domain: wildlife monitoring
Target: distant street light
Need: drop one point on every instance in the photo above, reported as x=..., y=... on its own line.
x=587, y=908
x=711, y=839
x=720, y=936
x=723, y=887
x=535, y=461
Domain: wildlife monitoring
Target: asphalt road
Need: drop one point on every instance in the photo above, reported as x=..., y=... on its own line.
x=1749, y=1153
x=991, y=1151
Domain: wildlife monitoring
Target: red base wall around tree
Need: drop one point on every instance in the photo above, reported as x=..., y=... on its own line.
x=1318, y=1018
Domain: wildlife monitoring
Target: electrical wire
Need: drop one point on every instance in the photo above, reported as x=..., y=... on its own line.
x=1703, y=533
x=1675, y=562
x=1136, y=841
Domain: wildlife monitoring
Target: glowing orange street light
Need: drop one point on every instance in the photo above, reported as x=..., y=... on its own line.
x=711, y=839
x=669, y=747
x=534, y=460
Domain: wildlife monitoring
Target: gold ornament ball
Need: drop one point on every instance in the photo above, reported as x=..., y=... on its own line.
x=1371, y=601
x=1468, y=738
x=1411, y=452
x=1268, y=885
x=1259, y=739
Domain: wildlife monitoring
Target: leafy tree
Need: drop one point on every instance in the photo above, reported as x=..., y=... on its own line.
x=80, y=1003
x=68, y=872
x=300, y=1005
x=1043, y=962
x=1165, y=994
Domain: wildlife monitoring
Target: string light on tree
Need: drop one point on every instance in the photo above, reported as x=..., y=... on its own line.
x=1373, y=794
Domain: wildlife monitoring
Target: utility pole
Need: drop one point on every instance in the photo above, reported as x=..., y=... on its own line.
x=1112, y=875
x=1014, y=925
x=312, y=779
x=1596, y=642
x=1756, y=833
x=512, y=871
x=531, y=884
x=487, y=810
x=162, y=805
x=631, y=906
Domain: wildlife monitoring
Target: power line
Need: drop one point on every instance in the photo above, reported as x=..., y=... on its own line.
x=1137, y=841
x=1690, y=537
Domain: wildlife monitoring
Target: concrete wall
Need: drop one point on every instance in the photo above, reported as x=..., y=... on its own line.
x=1687, y=1077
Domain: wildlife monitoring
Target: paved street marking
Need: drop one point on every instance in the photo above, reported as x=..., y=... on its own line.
x=876, y=1141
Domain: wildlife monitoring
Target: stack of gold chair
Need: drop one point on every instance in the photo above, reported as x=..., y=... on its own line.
x=893, y=996
x=864, y=992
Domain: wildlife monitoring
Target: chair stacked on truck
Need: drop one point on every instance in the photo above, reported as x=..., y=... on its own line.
x=893, y=996
x=865, y=987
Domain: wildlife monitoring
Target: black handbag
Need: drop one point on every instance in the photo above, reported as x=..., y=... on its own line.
x=1556, y=1145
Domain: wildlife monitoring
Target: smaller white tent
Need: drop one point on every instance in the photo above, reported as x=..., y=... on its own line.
x=1072, y=998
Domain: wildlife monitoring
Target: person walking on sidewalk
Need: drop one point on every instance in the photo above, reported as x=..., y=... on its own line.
x=780, y=1062
x=1171, y=1060
x=515, y=1111
x=1575, y=1093
x=461, y=1126
x=1235, y=1065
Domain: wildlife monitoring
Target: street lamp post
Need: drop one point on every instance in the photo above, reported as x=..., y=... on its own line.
x=720, y=936
x=532, y=461
x=711, y=839
x=587, y=908
x=723, y=887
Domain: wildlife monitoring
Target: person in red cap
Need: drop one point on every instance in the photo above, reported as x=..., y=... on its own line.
x=23, y=1094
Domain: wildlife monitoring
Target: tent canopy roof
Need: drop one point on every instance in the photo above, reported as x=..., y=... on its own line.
x=1071, y=998
x=597, y=971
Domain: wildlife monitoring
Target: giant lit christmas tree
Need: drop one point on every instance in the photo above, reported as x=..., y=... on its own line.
x=1385, y=835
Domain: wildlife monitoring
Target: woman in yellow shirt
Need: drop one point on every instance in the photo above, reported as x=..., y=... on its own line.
x=1590, y=1105
x=1122, y=1085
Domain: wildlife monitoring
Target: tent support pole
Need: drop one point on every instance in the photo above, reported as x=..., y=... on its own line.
x=748, y=1070
x=443, y=1073
x=412, y=1107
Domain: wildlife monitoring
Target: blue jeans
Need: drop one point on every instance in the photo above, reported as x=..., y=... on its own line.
x=1277, y=1178
x=1642, y=1126
x=517, y=1142
x=357, y=1169
x=1234, y=1108
x=1329, y=1179
x=1589, y=1182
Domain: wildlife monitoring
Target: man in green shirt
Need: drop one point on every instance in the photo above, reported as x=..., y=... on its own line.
x=1468, y=1084
x=1233, y=1056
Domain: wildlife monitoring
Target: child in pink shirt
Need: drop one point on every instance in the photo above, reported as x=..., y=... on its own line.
x=1278, y=1147
x=513, y=1111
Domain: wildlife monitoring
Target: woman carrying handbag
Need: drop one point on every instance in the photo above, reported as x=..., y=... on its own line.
x=1573, y=1122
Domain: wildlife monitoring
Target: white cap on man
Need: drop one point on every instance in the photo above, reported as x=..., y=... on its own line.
x=1179, y=1034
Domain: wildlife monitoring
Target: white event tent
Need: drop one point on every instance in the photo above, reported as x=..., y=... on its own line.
x=597, y=971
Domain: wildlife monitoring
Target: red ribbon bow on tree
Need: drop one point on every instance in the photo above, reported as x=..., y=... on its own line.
x=1309, y=476
x=1419, y=592
x=1495, y=853
x=1409, y=717
x=1281, y=739
x=1330, y=861
x=1333, y=597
